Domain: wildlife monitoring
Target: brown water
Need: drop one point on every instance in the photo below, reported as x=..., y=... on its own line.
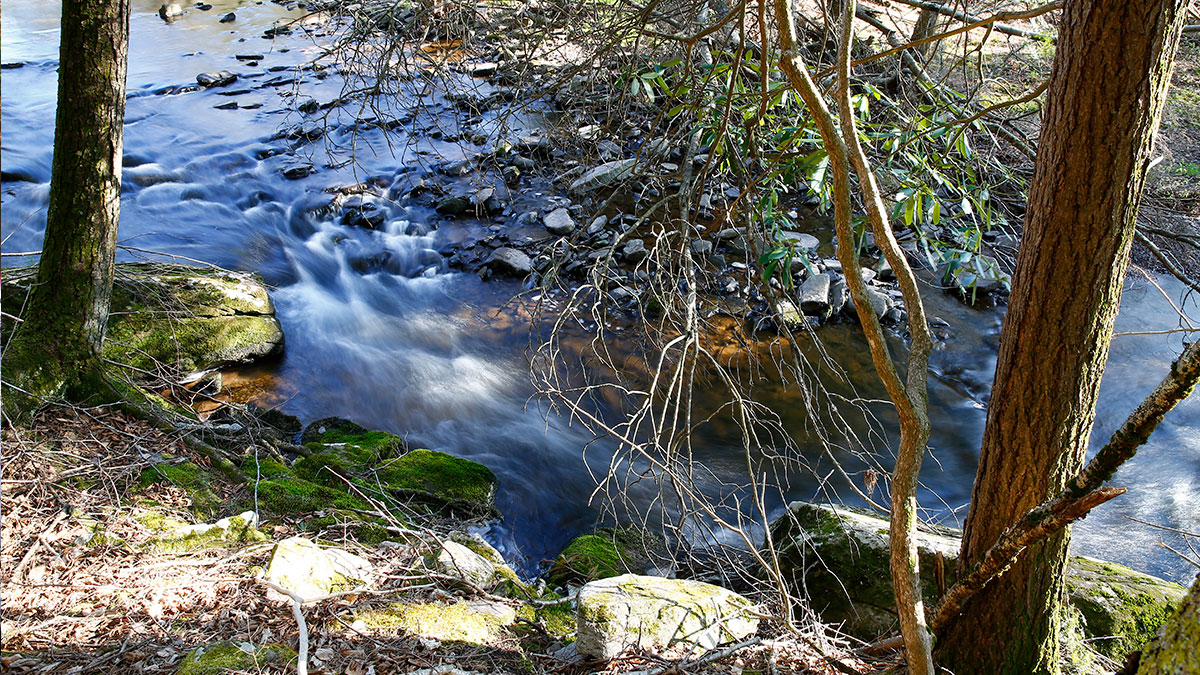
x=410, y=347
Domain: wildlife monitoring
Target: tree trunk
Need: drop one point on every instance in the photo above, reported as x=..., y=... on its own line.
x=57, y=348
x=1106, y=97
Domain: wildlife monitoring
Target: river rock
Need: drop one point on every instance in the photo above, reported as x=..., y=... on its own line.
x=839, y=557
x=220, y=78
x=631, y=611
x=363, y=212
x=799, y=240
x=814, y=295
x=880, y=302
x=453, y=205
x=169, y=11
x=605, y=174
x=559, y=222
x=701, y=247
x=634, y=251
x=838, y=294
x=312, y=572
x=510, y=262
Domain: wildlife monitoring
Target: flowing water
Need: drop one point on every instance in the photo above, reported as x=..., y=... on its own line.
x=378, y=330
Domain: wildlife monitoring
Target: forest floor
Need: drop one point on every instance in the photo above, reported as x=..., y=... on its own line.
x=89, y=587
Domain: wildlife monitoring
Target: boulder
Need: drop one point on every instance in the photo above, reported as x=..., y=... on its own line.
x=603, y=175
x=476, y=622
x=1174, y=648
x=189, y=320
x=799, y=240
x=226, y=532
x=312, y=572
x=510, y=262
x=559, y=222
x=839, y=556
x=607, y=553
x=631, y=611
x=456, y=560
x=442, y=480
x=814, y=295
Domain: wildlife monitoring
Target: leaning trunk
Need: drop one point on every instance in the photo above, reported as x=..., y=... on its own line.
x=1106, y=96
x=57, y=348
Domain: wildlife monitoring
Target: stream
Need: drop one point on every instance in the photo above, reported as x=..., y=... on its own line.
x=381, y=331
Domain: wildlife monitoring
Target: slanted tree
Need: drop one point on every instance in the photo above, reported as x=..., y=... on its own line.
x=56, y=351
x=1106, y=96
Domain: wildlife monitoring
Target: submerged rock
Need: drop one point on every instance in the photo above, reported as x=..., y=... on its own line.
x=838, y=556
x=631, y=611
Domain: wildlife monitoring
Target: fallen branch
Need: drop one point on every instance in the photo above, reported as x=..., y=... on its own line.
x=302, y=652
x=1000, y=16
x=1162, y=258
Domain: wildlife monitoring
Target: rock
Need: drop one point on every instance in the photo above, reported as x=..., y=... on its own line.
x=839, y=556
x=603, y=175
x=476, y=622
x=169, y=11
x=814, y=295
x=442, y=480
x=360, y=212
x=701, y=247
x=229, y=18
x=226, y=657
x=598, y=224
x=312, y=572
x=559, y=222
x=838, y=294
x=634, y=251
x=224, y=533
x=632, y=611
x=880, y=303
x=456, y=560
x=799, y=240
x=189, y=320
x=510, y=262
x=787, y=314
x=297, y=170
x=218, y=79
x=606, y=554
x=453, y=205
x=884, y=269
x=1175, y=646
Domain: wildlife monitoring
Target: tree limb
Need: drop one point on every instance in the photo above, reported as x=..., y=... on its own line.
x=1000, y=16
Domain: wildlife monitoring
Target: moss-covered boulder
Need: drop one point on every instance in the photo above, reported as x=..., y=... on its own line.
x=632, y=611
x=352, y=441
x=177, y=320
x=231, y=657
x=1175, y=649
x=193, y=480
x=839, y=557
x=460, y=485
x=311, y=571
x=607, y=553
x=476, y=622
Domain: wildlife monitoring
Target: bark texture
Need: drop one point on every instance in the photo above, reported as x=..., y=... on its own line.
x=1106, y=96
x=57, y=349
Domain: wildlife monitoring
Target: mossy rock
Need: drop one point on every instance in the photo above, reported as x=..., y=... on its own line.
x=442, y=479
x=478, y=622
x=290, y=496
x=186, y=319
x=195, y=481
x=608, y=553
x=557, y=620
x=839, y=556
x=229, y=657
x=311, y=571
x=1174, y=649
x=355, y=442
x=228, y=532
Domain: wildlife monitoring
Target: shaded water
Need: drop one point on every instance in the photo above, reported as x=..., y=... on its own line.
x=379, y=331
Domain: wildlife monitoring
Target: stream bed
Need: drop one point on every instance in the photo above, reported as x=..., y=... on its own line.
x=380, y=330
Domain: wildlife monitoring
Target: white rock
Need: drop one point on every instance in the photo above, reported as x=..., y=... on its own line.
x=559, y=222
x=312, y=572
x=460, y=562
x=633, y=611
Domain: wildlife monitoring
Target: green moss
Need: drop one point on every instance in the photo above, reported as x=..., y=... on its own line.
x=557, y=620
x=288, y=496
x=145, y=339
x=228, y=532
x=196, y=482
x=458, y=622
x=326, y=468
x=441, y=476
x=1122, y=609
x=358, y=444
x=224, y=657
x=587, y=558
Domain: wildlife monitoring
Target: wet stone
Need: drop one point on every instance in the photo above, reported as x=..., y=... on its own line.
x=510, y=262
x=814, y=295
x=220, y=78
x=559, y=222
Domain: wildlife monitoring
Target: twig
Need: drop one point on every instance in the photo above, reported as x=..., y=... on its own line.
x=302, y=652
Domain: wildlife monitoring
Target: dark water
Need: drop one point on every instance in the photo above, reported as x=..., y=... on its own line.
x=379, y=331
